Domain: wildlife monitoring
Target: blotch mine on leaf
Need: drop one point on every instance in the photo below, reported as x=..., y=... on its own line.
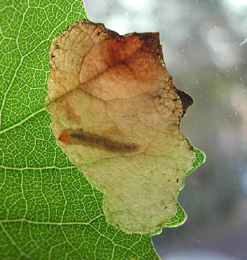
x=115, y=113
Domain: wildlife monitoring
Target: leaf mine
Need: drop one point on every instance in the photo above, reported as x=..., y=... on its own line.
x=115, y=113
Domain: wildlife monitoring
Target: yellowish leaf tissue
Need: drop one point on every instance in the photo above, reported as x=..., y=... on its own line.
x=115, y=113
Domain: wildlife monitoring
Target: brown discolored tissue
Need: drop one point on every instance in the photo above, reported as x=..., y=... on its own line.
x=115, y=113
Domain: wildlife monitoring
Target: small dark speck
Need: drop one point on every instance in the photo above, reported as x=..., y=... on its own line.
x=53, y=56
x=175, y=99
x=98, y=33
x=159, y=96
x=177, y=180
x=165, y=207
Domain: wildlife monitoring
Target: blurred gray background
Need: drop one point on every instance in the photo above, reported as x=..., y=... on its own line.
x=205, y=49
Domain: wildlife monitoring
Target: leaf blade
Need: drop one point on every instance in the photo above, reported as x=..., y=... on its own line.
x=48, y=209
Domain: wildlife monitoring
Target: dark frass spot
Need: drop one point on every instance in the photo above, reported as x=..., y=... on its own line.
x=80, y=137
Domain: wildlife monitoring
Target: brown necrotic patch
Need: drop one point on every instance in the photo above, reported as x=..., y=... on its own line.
x=116, y=113
x=186, y=99
x=80, y=137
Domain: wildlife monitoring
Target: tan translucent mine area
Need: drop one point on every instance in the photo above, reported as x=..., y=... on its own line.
x=115, y=113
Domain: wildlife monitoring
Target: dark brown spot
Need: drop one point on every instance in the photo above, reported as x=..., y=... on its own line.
x=186, y=99
x=80, y=137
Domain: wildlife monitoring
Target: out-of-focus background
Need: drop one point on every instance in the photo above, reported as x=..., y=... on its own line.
x=205, y=49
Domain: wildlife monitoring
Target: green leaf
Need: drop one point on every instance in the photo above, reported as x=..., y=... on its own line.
x=48, y=210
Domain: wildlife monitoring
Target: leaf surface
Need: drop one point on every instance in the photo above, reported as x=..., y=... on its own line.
x=48, y=210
